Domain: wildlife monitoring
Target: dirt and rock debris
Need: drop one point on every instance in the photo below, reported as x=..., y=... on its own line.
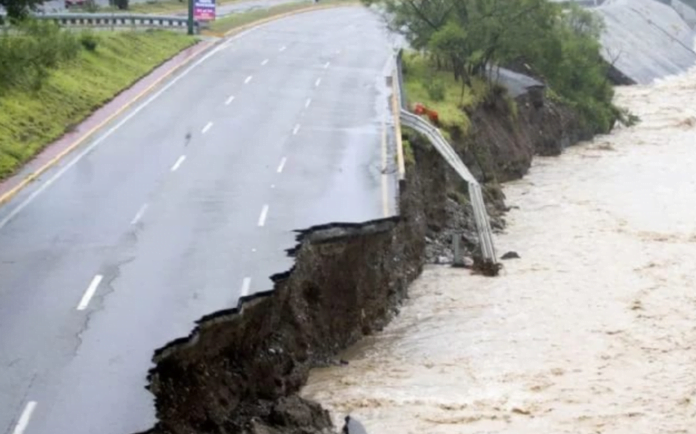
x=240, y=370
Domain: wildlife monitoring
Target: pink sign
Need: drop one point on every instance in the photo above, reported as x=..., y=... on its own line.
x=204, y=10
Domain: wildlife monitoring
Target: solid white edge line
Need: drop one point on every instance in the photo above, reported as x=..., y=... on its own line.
x=264, y=214
x=90, y=292
x=207, y=127
x=264, y=62
x=229, y=100
x=178, y=163
x=296, y=130
x=282, y=164
x=318, y=82
x=246, y=285
x=24, y=419
x=248, y=79
x=139, y=214
x=309, y=101
x=113, y=129
x=385, y=177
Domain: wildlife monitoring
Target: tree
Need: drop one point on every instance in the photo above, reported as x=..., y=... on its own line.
x=19, y=9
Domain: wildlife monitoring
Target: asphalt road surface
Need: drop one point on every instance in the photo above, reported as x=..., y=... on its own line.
x=179, y=207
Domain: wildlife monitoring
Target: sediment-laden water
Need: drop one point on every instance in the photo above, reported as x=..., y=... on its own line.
x=593, y=330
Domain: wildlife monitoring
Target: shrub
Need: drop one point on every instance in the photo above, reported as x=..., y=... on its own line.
x=26, y=57
x=435, y=89
x=89, y=41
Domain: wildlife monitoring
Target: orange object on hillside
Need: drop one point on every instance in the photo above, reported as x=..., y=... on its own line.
x=420, y=109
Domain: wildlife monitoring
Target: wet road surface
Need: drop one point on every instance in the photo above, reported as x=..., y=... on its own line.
x=179, y=207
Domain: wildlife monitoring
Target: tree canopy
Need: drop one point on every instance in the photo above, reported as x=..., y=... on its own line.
x=18, y=9
x=467, y=36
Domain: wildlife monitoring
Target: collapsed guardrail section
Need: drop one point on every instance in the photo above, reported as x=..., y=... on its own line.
x=435, y=137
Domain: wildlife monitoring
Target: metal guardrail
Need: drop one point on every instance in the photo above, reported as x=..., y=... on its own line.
x=435, y=137
x=117, y=20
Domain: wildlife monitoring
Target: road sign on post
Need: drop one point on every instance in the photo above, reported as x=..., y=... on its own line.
x=204, y=10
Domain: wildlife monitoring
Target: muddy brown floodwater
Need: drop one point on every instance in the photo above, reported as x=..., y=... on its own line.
x=593, y=330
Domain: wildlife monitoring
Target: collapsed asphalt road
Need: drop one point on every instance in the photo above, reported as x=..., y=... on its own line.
x=186, y=196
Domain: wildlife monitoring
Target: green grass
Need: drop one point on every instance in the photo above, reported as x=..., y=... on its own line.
x=31, y=119
x=233, y=21
x=420, y=78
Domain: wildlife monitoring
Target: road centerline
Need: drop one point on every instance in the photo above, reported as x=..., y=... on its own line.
x=178, y=163
x=309, y=101
x=282, y=165
x=229, y=100
x=91, y=290
x=296, y=129
x=207, y=127
x=246, y=285
x=262, y=217
x=264, y=62
x=139, y=214
x=248, y=79
x=24, y=418
x=318, y=82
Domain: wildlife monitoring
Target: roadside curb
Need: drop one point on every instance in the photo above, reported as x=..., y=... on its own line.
x=207, y=46
x=13, y=191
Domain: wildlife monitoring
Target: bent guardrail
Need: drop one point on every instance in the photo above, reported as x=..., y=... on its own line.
x=435, y=137
x=118, y=20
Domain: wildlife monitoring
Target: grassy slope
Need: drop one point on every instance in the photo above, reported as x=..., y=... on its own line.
x=31, y=120
x=419, y=73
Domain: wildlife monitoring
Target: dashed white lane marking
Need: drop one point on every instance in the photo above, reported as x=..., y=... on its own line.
x=246, y=284
x=229, y=100
x=296, y=130
x=318, y=82
x=264, y=62
x=282, y=48
x=248, y=79
x=110, y=131
x=327, y=65
x=178, y=163
x=309, y=101
x=24, y=419
x=207, y=127
x=264, y=214
x=91, y=289
x=139, y=214
x=282, y=164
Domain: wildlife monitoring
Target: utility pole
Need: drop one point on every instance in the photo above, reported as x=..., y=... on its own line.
x=190, y=17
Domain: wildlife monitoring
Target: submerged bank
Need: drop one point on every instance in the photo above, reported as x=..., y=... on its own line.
x=592, y=330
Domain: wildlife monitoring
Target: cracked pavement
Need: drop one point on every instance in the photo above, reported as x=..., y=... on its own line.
x=185, y=206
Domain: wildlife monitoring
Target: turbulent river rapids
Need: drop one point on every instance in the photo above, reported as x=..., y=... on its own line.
x=593, y=330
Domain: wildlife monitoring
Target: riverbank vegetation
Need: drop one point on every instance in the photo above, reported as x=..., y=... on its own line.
x=50, y=80
x=461, y=42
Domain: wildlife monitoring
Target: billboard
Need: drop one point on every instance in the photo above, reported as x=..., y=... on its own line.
x=204, y=10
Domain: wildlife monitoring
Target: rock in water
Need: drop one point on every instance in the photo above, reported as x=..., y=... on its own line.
x=510, y=255
x=352, y=426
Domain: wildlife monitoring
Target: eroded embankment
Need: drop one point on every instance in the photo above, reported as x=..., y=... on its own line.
x=241, y=370
x=499, y=147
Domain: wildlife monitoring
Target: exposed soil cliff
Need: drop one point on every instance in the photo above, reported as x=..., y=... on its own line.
x=240, y=370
